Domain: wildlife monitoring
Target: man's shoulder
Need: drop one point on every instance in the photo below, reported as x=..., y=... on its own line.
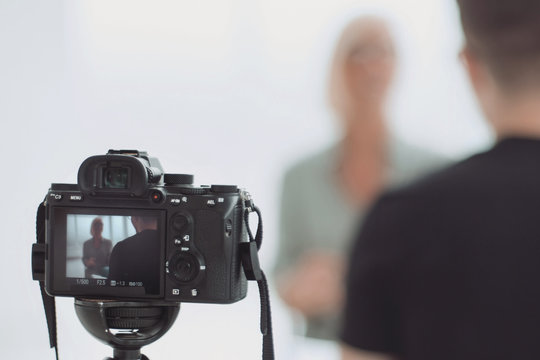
x=443, y=182
x=441, y=192
x=124, y=243
x=401, y=217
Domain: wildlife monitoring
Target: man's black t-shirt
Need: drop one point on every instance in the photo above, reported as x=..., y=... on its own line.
x=137, y=258
x=449, y=267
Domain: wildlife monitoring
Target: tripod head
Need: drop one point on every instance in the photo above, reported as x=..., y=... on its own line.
x=126, y=326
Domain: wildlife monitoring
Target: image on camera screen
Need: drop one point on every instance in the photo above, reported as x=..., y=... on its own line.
x=113, y=250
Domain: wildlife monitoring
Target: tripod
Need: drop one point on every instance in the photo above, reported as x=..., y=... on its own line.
x=126, y=326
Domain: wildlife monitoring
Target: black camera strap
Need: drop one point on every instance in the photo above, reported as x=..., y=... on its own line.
x=253, y=271
x=38, y=249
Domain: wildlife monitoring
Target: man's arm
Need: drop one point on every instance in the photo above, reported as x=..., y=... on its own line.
x=349, y=353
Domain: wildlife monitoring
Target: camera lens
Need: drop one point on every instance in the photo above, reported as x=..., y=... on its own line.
x=184, y=267
x=115, y=178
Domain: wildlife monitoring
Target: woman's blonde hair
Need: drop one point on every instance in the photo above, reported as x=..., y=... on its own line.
x=338, y=94
x=94, y=223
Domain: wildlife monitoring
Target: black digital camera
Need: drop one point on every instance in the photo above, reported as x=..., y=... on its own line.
x=128, y=230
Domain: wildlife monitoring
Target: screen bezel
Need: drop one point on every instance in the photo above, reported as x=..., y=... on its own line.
x=59, y=284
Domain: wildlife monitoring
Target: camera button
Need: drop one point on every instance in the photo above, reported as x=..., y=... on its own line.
x=176, y=201
x=176, y=292
x=156, y=196
x=179, y=222
x=182, y=241
x=214, y=202
x=55, y=197
x=194, y=292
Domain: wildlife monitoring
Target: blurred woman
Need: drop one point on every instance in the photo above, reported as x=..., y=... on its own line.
x=325, y=196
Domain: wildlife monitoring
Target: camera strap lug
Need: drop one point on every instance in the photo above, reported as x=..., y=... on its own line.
x=252, y=270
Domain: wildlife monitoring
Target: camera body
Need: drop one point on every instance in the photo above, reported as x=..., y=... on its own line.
x=129, y=231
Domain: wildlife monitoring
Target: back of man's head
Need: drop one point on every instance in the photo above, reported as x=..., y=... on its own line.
x=505, y=35
x=142, y=223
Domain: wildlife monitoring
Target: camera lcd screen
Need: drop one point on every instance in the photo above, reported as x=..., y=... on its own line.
x=107, y=251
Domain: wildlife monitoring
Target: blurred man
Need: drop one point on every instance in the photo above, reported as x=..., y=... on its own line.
x=137, y=258
x=449, y=268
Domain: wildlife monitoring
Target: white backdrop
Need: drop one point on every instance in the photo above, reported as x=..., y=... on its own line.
x=229, y=90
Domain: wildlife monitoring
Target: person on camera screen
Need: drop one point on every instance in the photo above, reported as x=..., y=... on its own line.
x=96, y=251
x=137, y=258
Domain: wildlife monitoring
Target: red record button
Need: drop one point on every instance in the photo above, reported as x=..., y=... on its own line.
x=156, y=196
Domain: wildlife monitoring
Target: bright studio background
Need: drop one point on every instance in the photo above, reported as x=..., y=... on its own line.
x=232, y=91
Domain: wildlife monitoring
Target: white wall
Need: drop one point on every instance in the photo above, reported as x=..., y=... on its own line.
x=229, y=90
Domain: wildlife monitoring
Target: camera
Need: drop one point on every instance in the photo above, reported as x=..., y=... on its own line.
x=128, y=230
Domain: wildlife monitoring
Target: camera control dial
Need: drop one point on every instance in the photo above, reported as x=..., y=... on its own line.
x=224, y=188
x=179, y=222
x=178, y=179
x=184, y=267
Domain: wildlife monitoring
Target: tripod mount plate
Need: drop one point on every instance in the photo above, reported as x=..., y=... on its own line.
x=126, y=325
